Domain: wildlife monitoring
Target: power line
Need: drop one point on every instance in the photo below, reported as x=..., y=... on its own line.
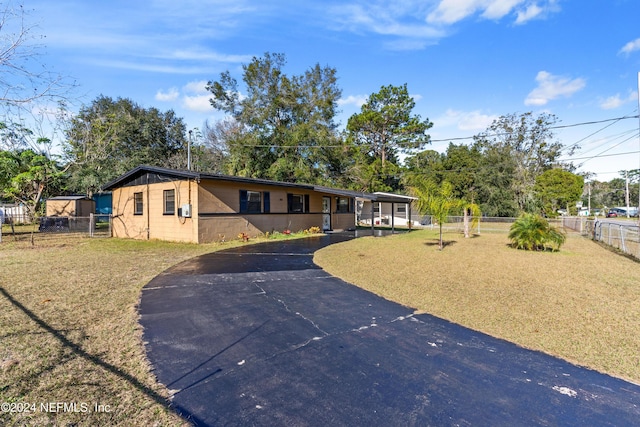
x=600, y=154
x=616, y=119
x=462, y=138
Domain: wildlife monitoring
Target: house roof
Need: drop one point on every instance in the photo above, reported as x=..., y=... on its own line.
x=176, y=173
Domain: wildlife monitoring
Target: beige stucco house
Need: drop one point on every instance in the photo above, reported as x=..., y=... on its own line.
x=186, y=206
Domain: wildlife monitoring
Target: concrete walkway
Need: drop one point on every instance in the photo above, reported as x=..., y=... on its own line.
x=259, y=335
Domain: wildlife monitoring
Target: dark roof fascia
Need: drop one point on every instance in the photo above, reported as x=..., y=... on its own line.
x=255, y=181
x=340, y=192
x=145, y=169
x=198, y=176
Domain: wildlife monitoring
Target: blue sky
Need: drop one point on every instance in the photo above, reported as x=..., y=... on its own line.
x=465, y=62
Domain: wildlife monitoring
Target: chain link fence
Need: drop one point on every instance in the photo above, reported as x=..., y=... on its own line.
x=485, y=224
x=624, y=236
x=55, y=227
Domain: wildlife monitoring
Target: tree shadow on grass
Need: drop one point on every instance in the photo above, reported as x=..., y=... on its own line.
x=445, y=243
x=76, y=349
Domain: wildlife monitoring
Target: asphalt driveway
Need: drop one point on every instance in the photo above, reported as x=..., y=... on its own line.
x=259, y=335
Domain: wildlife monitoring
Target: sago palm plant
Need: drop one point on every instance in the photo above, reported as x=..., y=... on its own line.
x=533, y=233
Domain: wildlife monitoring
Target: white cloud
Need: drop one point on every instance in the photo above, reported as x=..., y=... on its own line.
x=551, y=87
x=206, y=55
x=401, y=19
x=170, y=95
x=499, y=8
x=451, y=11
x=196, y=87
x=357, y=100
x=616, y=101
x=198, y=103
x=467, y=121
x=632, y=46
x=197, y=97
x=531, y=12
x=153, y=68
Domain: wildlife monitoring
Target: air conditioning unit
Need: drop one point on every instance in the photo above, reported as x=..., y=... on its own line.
x=186, y=211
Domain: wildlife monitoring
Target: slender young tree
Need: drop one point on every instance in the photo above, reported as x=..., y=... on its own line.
x=439, y=202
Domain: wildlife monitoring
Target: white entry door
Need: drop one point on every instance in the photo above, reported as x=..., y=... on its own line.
x=326, y=213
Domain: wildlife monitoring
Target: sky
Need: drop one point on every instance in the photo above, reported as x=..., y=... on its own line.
x=465, y=62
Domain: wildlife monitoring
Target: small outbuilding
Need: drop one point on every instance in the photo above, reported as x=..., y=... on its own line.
x=70, y=206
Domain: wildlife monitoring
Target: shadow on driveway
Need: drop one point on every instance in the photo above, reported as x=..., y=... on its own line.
x=259, y=335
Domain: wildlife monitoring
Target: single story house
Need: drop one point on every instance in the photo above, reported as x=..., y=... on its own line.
x=177, y=205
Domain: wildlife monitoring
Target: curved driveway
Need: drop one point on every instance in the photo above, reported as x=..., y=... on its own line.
x=259, y=335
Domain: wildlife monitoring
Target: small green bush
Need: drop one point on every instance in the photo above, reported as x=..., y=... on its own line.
x=533, y=233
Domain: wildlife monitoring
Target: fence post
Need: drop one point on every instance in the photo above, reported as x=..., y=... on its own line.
x=92, y=223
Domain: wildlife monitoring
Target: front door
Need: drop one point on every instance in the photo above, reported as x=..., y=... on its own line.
x=326, y=213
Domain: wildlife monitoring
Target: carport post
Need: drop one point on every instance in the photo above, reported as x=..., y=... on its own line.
x=373, y=231
x=392, y=217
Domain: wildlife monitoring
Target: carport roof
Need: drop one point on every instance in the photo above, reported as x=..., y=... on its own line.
x=176, y=173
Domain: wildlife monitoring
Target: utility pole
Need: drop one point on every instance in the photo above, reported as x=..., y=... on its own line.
x=589, y=200
x=639, y=150
x=626, y=191
x=189, y=152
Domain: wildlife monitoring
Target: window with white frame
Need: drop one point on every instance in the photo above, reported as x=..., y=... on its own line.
x=138, y=205
x=169, y=201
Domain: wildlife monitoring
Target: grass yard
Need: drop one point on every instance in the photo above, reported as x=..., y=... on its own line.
x=69, y=332
x=581, y=304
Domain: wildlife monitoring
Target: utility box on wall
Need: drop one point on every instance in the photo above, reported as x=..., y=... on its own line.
x=185, y=211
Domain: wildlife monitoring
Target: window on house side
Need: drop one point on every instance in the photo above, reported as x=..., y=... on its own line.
x=169, y=197
x=138, y=205
x=343, y=205
x=250, y=201
x=296, y=203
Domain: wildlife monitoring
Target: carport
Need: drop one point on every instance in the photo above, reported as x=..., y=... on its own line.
x=381, y=198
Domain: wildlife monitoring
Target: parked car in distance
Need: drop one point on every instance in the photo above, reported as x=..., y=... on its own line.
x=616, y=212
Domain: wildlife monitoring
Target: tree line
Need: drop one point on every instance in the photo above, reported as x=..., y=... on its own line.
x=283, y=127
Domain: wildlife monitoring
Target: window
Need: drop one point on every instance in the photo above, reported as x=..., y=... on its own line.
x=169, y=197
x=343, y=204
x=402, y=209
x=298, y=203
x=138, y=205
x=376, y=207
x=254, y=201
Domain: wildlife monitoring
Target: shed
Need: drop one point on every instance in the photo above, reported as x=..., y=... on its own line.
x=70, y=206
